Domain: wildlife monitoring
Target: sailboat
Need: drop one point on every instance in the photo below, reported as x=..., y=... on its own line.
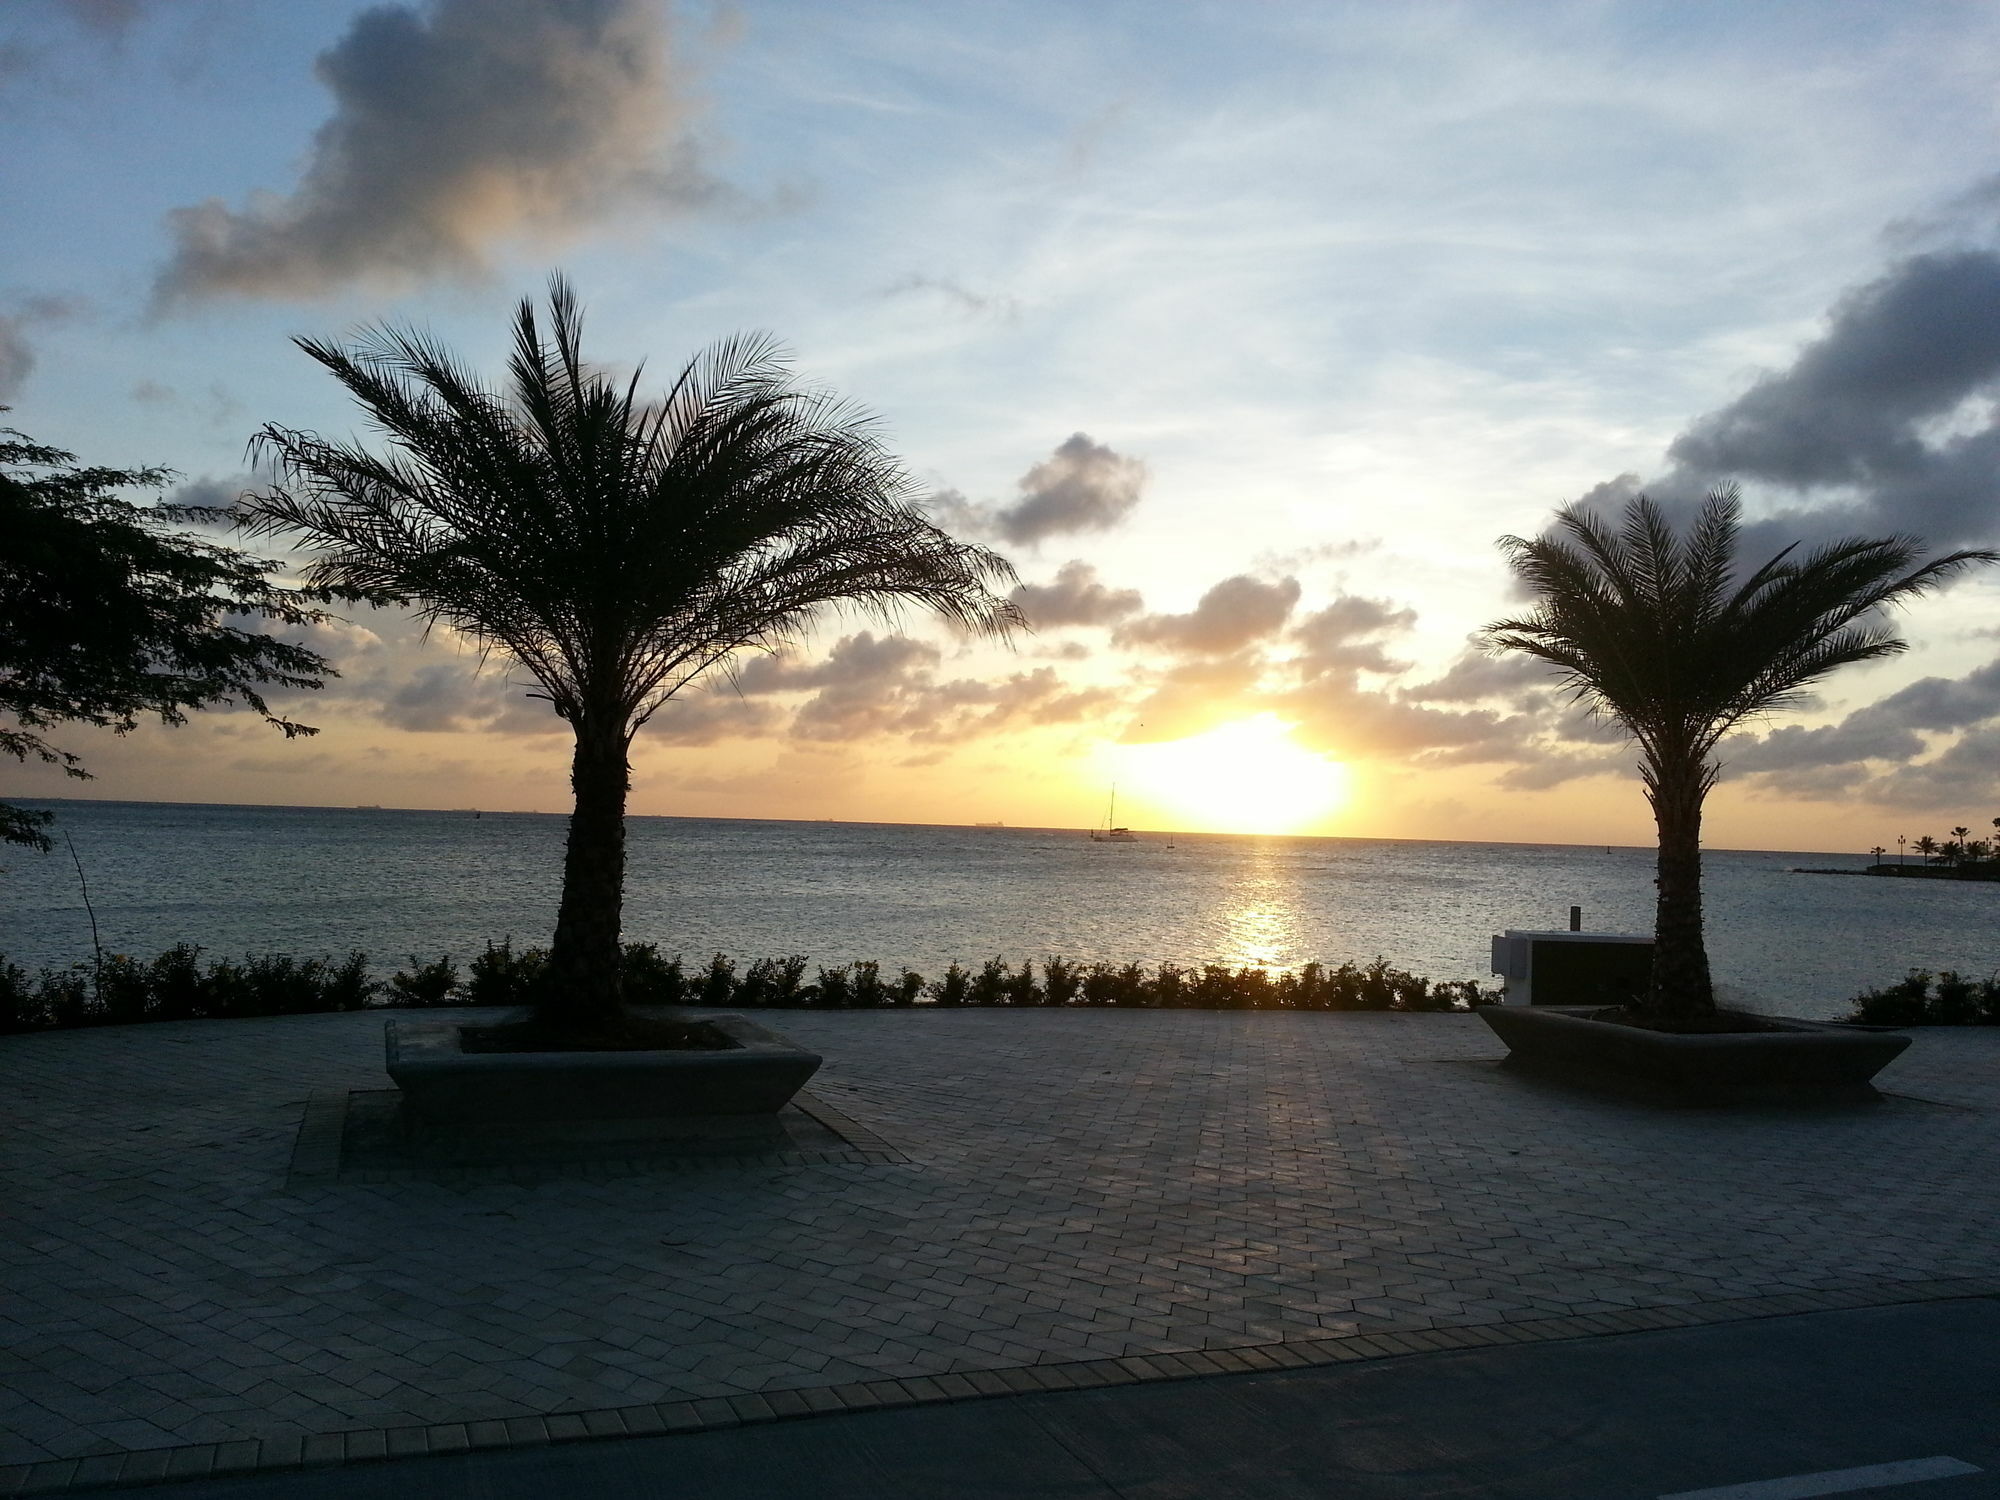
x=1111, y=833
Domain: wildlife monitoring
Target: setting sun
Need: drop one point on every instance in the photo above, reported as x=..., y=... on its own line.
x=1247, y=777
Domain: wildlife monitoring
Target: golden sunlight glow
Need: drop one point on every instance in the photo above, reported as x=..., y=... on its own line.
x=1246, y=777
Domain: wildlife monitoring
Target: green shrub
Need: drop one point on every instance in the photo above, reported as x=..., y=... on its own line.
x=425, y=984
x=1061, y=981
x=18, y=1005
x=834, y=990
x=652, y=980
x=500, y=976
x=178, y=986
x=953, y=988
x=868, y=991
x=989, y=985
x=720, y=982
x=1912, y=1001
x=1022, y=989
x=180, y=990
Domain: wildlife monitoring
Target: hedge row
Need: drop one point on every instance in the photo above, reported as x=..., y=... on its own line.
x=1921, y=998
x=179, y=986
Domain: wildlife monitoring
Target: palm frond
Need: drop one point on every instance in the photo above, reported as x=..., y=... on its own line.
x=1651, y=627
x=615, y=548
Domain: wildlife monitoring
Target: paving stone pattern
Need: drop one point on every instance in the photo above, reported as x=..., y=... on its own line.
x=1078, y=1186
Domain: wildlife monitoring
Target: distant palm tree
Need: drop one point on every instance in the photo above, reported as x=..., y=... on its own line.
x=1654, y=630
x=1927, y=846
x=615, y=548
x=1956, y=848
x=1877, y=852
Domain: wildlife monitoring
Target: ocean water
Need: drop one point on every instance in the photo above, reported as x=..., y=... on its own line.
x=394, y=883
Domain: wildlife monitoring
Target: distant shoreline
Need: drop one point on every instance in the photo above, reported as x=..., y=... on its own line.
x=1976, y=874
x=1060, y=828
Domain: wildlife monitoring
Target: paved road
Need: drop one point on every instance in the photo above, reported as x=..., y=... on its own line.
x=1641, y=1415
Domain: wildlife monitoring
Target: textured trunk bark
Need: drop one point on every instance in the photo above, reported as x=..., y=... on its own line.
x=1681, y=984
x=584, y=989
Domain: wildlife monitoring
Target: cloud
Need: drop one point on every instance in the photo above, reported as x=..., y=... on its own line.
x=1227, y=618
x=1344, y=637
x=1075, y=598
x=1885, y=423
x=17, y=357
x=1885, y=730
x=456, y=126
x=16, y=58
x=996, y=305
x=438, y=697
x=872, y=686
x=705, y=716
x=218, y=494
x=1082, y=486
x=17, y=353
x=1192, y=696
x=215, y=404
x=1475, y=676
x=111, y=18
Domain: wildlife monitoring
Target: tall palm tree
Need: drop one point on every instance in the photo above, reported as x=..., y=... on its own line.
x=1957, y=845
x=615, y=548
x=1653, y=629
x=1927, y=846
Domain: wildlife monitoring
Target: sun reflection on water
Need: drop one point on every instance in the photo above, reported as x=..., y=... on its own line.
x=1261, y=926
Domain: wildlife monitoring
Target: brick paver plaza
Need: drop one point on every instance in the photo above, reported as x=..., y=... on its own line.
x=1061, y=1187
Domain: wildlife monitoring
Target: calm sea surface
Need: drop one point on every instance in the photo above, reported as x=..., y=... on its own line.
x=393, y=883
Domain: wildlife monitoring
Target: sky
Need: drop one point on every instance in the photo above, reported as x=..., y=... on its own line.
x=1244, y=331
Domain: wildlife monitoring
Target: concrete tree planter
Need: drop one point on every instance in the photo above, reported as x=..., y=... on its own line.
x=584, y=1096
x=1803, y=1061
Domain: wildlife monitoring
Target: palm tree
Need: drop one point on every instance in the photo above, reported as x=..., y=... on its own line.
x=1956, y=848
x=1652, y=629
x=615, y=548
x=1927, y=846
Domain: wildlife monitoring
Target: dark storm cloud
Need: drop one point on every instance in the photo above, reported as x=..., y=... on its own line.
x=454, y=126
x=1883, y=424
x=1076, y=597
x=1886, y=730
x=1082, y=486
x=1227, y=618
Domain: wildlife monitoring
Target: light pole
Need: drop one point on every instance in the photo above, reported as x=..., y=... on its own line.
x=1901, y=840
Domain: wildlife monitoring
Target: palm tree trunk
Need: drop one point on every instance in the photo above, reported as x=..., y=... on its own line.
x=1681, y=984
x=584, y=963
